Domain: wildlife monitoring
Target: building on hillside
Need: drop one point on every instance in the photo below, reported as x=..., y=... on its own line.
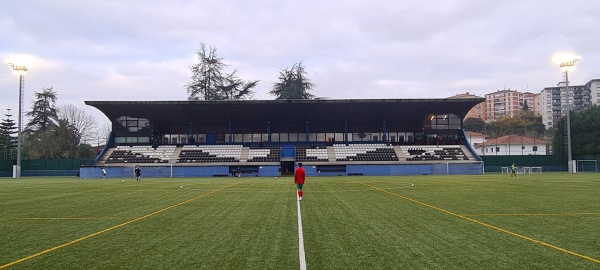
x=476, y=112
x=475, y=138
x=503, y=103
x=594, y=87
x=512, y=145
x=554, y=101
x=550, y=103
x=540, y=106
x=529, y=99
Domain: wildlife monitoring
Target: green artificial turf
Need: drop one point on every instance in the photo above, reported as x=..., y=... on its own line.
x=543, y=221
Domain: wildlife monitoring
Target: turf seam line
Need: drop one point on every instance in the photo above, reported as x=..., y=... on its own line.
x=301, y=253
x=112, y=228
x=488, y=225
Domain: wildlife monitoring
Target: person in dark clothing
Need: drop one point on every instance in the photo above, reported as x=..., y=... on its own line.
x=138, y=173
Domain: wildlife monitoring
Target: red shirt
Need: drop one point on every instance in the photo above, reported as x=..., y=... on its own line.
x=299, y=176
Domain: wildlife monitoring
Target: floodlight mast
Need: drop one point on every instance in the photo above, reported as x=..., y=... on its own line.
x=568, y=64
x=21, y=71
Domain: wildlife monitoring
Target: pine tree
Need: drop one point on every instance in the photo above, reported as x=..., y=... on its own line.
x=293, y=84
x=43, y=112
x=210, y=82
x=8, y=138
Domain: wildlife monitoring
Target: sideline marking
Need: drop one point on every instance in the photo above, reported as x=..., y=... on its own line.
x=533, y=214
x=113, y=227
x=489, y=225
x=301, y=253
x=411, y=185
x=360, y=190
x=58, y=218
x=232, y=191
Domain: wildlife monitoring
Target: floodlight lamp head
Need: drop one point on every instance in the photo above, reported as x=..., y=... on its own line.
x=17, y=68
x=571, y=62
x=566, y=61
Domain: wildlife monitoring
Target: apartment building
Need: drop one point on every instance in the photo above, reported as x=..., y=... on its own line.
x=552, y=101
x=476, y=112
x=504, y=102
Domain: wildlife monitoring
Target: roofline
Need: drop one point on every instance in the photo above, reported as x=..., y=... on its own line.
x=287, y=101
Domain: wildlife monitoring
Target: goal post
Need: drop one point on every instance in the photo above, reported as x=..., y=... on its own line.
x=586, y=165
x=154, y=170
x=447, y=168
x=535, y=170
x=471, y=167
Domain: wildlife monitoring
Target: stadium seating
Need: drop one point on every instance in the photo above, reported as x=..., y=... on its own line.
x=434, y=152
x=364, y=152
x=210, y=153
x=311, y=153
x=188, y=154
x=141, y=154
x=264, y=154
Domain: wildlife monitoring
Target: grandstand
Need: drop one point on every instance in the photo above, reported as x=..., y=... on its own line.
x=331, y=137
x=140, y=154
x=264, y=154
x=209, y=153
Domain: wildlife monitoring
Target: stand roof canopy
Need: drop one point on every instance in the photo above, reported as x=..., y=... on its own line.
x=324, y=115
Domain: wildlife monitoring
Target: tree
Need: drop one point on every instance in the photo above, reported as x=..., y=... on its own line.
x=40, y=145
x=236, y=89
x=48, y=136
x=67, y=138
x=210, y=82
x=207, y=75
x=293, y=84
x=8, y=140
x=526, y=124
x=103, y=133
x=43, y=111
x=85, y=123
x=60, y=140
x=585, y=131
x=474, y=124
x=85, y=151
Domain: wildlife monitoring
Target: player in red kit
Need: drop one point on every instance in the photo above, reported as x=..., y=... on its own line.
x=299, y=177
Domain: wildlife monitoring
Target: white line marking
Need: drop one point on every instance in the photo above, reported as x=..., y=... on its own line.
x=411, y=185
x=300, y=238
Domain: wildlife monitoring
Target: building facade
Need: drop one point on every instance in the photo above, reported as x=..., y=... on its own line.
x=512, y=145
x=479, y=111
x=501, y=103
x=552, y=101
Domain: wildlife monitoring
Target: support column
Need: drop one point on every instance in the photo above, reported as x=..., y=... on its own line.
x=307, y=132
x=269, y=132
x=346, y=132
x=384, y=136
x=230, y=132
x=191, y=139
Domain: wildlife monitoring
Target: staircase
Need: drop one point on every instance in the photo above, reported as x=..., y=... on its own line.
x=330, y=154
x=175, y=155
x=244, y=155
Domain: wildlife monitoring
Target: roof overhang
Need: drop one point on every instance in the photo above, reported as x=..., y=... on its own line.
x=324, y=115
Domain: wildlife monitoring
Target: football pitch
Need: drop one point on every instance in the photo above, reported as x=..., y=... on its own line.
x=493, y=221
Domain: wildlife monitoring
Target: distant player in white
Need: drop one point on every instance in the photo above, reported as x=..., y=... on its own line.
x=103, y=173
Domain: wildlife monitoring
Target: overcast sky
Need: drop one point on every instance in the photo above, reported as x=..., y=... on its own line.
x=352, y=49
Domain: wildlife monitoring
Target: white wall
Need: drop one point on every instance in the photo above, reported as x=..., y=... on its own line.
x=515, y=150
